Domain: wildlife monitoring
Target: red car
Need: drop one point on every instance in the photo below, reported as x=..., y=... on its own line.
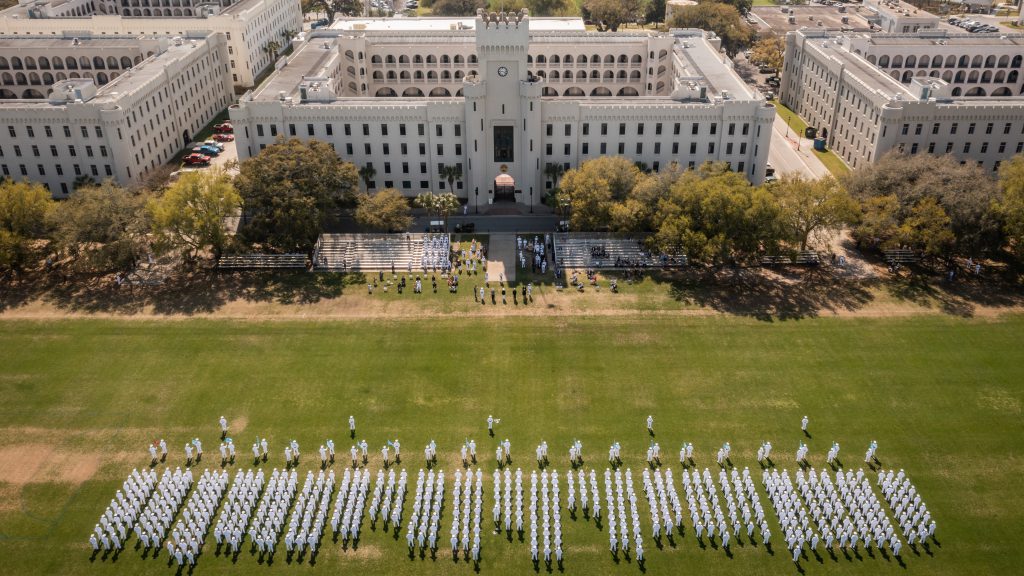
x=224, y=137
x=224, y=128
x=197, y=160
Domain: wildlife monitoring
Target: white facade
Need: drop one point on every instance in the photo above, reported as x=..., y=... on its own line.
x=921, y=93
x=506, y=94
x=248, y=25
x=898, y=17
x=132, y=124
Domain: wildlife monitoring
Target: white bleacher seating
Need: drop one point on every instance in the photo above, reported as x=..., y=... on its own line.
x=582, y=250
x=247, y=261
x=374, y=251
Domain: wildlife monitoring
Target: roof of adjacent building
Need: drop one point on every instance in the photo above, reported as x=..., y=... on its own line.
x=430, y=24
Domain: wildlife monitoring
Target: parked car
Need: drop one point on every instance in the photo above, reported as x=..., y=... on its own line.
x=467, y=228
x=196, y=159
x=319, y=23
x=224, y=137
x=215, y=144
x=206, y=150
x=224, y=128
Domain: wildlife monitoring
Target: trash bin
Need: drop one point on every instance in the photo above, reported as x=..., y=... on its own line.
x=810, y=132
x=819, y=144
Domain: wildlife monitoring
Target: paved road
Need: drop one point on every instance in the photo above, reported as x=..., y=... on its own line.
x=785, y=158
x=489, y=224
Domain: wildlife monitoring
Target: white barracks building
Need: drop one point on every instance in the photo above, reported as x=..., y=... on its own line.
x=929, y=91
x=248, y=26
x=502, y=96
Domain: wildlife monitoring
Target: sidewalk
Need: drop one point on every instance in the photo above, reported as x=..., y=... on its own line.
x=501, y=257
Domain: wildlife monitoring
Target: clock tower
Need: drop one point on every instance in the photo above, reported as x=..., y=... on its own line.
x=503, y=113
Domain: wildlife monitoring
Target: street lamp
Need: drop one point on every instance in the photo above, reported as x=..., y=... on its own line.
x=531, y=199
x=476, y=203
x=788, y=118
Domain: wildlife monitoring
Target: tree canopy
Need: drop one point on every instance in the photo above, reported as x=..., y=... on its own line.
x=963, y=192
x=722, y=19
x=103, y=227
x=456, y=7
x=769, y=51
x=613, y=13
x=190, y=214
x=808, y=206
x=385, y=211
x=23, y=210
x=1011, y=207
x=290, y=190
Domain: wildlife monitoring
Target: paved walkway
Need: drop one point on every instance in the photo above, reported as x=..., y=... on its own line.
x=784, y=156
x=501, y=257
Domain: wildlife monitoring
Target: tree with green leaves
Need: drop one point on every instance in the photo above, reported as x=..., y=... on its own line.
x=548, y=7
x=272, y=48
x=769, y=51
x=23, y=210
x=456, y=7
x=385, y=211
x=809, y=206
x=103, y=228
x=367, y=174
x=1011, y=206
x=189, y=216
x=290, y=190
x=443, y=205
x=335, y=7
x=655, y=11
x=614, y=13
x=966, y=193
x=554, y=171
x=452, y=173
x=722, y=19
x=588, y=198
x=927, y=228
x=717, y=218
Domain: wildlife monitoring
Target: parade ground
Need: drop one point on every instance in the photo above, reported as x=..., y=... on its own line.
x=84, y=398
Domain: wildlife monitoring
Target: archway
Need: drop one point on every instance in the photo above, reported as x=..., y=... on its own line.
x=504, y=188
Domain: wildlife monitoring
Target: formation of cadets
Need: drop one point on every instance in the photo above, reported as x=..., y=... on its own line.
x=815, y=509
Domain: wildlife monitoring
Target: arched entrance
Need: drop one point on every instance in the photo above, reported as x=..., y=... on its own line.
x=504, y=188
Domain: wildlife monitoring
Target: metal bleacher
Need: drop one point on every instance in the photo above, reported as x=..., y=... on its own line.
x=261, y=261
x=369, y=251
x=595, y=250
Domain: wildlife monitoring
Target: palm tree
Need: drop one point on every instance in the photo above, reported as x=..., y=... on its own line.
x=367, y=173
x=451, y=173
x=288, y=34
x=554, y=172
x=272, y=48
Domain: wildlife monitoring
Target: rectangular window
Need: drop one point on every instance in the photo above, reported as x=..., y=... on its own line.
x=273, y=129
x=504, y=144
x=949, y=147
x=549, y=129
x=935, y=128
x=387, y=167
x=366, y=148
x=586, y=149
x=85, y=132
x=622, y=128
x=732, y=128
x=657, y=129
x=657, y=147
x=309, y=130
x=67, y=132
x=330, y=129
x=31, y=132
x=711, y=147
x=905, y=129
x=728, y=148
x=693, y=147
x=586, y=128
x=53, y=150
x=49, y=132
x=970, y=128
x=984, y=147
x=675, y=148
x=348, y=129
x=604, y=129
x=917, y=129
x=404, y=148
x=988, y=128
x=423, y=149
x=568, y=129
x=746, y=129
x=366, y=129
x=401, y=129
x=639, y=148
x=567, y=149
x=440, y=149
x=386, y=148
x=952, y=129
x=967, y=148
x=931, y=147
x=348, y=149
x=714, y=128
x=421, y=129
x=640, y=129
x=622, y=148
x=604, y=147
x=439, y=130
x=383, y=129
x=695, y=129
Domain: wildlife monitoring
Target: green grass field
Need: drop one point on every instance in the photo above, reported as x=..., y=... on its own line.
x=941, y=395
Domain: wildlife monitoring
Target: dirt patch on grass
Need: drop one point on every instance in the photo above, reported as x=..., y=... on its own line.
x=999, y=400
x=30, y=463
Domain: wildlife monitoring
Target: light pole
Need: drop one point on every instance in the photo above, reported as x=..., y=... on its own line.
x=788, y=118
x=476, y=203
x=531, y=199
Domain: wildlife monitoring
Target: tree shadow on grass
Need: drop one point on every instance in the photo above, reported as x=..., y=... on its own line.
x=786, y=294
x=184, y=293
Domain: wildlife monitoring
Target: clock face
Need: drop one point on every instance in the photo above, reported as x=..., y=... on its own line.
x=502, y=71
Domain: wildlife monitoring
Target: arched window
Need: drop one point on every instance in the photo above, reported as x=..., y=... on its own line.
x=922, y=61
x=33, y=79
x=960, y=77
x=872, y=60
x=440, y=93
x=555, y=59
x=636, y=59
x=1016, y=61
x=950, y=62
x=47, y=78
x=609, y=59
x=32, y=93
x=4, y=64
x=375, y=59
x=911, y=61
x=404, y=75
x=976, y=61
x=1011, y=78
x=392, y=75
x=101, y=78
x=417, y=59
x=907, y=76
x=990, y=61
x=937, y=62
x=98, y=64
x=529, y=58
x=431, y=59
x=548, y=91
x=608, y=74
x=459, y=59
x=20, y=78
x=7, y=78
x=377, y=75
x=600, y=91
x=973, y=77
x=595, y=74
x=30, y=63
x=628, y=91
x=897, y=61
x=581, y=74
x=623, y=59
x=459, y=74
x=418, y=75
x=634, y=75
x=1000, y=77
x=1004, y=91
x=541, y=59
x=389, y=59
x=986, y=77
x=957, y=91
x=575, y=92
x=403, y=59
x=555, y=75
x=349, y=55
x=412, y=93
x=1004, y=61
x=431, y=75
x=472, y=59
x=621, y=74
x=883, y=62
x=567, y=59
x=977, y=91
x=446, y=75
x=17, y=64
x=445, y=59
x=964, y=61
x=6, y=94
x=386, y=93
x=111, y=63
